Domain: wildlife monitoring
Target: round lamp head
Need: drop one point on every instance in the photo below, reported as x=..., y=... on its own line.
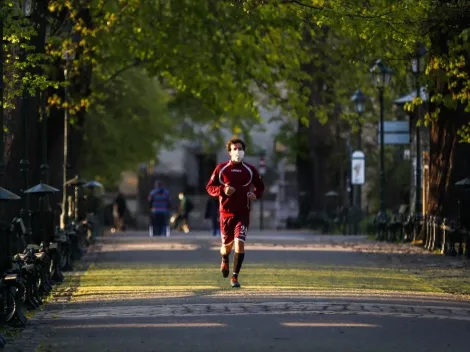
x=27, y=7
x=417, y=59
x=359, y=100
x=381, y=74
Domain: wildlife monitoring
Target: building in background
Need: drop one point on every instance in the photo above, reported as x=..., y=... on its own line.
x=186, y=167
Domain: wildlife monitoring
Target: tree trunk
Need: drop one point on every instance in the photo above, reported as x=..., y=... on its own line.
x=448, y=162
x=313, y=171
x=449, y=159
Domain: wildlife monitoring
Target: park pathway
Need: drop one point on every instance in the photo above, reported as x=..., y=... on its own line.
x=300, y=292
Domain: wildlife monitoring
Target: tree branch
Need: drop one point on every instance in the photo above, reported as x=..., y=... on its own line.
x=134, y=64
x=346, y=14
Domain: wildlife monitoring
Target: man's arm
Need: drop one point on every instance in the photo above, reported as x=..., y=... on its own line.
x=214, y=188
x=258, y=184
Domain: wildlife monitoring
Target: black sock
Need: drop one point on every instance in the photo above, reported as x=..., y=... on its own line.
x=237, y=263
x=225, y=258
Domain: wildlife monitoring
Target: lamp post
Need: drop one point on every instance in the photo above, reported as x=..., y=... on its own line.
x=2, y=136
x=27, y=9
x=359, y=100
x=262, y=172
x=381, y=76
x=5, y=195
x=69, y=56
x=417, y=66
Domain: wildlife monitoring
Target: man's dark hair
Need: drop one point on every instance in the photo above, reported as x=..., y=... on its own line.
x=235, y=141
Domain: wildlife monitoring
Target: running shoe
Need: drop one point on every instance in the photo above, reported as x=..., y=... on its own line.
x=234, y=282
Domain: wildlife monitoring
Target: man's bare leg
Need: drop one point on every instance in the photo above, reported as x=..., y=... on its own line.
x=225, y=251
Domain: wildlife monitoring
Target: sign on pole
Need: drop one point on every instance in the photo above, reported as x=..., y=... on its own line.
x=358, y=168
x=395, y=132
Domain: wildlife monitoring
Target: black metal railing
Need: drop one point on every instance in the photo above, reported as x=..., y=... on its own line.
x=33, y=259
x=434, y=233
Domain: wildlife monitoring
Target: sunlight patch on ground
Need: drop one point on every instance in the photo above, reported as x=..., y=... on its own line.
x=150, y=246
x=329, y=325
x=292, y=247
x=144, y=325
x=105, y=280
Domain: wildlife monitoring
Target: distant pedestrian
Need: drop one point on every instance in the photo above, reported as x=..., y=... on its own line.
x=212, y=213
x=159, y=203
x=185, y=207
x=119, y=211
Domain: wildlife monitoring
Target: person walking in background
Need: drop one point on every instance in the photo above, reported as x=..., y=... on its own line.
x=119, y=211
x=212, y=213
x=159, y=203
x=185, y=207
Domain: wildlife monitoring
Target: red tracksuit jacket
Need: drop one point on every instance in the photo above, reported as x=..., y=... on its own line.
x=242, y=177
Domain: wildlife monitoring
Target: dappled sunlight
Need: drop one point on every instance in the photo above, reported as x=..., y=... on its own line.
x=338, y=293
x=134, y=281
x=142, y=325
x=292, y=247
x=149, y=246
x=328, y=325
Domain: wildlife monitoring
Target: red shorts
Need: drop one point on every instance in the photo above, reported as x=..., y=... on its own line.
x=233, y=227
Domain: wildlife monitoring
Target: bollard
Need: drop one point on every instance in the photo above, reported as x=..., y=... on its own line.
x=467, y=243
x=453, y=238
x=460, y=236
x=444, y=237
x=429, y=235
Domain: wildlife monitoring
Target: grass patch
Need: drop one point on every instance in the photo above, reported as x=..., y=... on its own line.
x=106, y=280
x=456, y=281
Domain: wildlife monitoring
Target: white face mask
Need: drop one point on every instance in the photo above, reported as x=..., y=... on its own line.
x=237, y=155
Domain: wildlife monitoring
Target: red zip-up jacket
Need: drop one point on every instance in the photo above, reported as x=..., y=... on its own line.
x=242, y=177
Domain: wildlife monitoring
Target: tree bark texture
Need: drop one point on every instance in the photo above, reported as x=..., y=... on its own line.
x=449, y=159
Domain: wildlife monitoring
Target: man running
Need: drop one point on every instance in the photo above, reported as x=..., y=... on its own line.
x=232, y=182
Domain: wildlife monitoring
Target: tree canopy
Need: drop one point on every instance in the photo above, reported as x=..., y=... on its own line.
x=223, y=58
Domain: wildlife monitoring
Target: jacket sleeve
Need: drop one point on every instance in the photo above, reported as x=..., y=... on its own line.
x=258, y=184
x=214, y=188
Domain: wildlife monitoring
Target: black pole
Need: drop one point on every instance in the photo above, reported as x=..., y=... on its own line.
x=64, y=217
x=44, y=165
x=262, y=168
x=2, y=135
x=24, y=162
x=418, y=199
x=359, y=187
x=261, y=217
x=382, y=152
x=349, y=188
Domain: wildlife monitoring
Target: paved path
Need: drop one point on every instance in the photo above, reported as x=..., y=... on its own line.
x=301, y=292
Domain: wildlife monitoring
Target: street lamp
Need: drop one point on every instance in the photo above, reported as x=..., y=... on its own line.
x=359, y=100
x=69, y=56
x=5, y=195
x=262, y=172
x=417, y=67
x=27, y=9
x=381, y=77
